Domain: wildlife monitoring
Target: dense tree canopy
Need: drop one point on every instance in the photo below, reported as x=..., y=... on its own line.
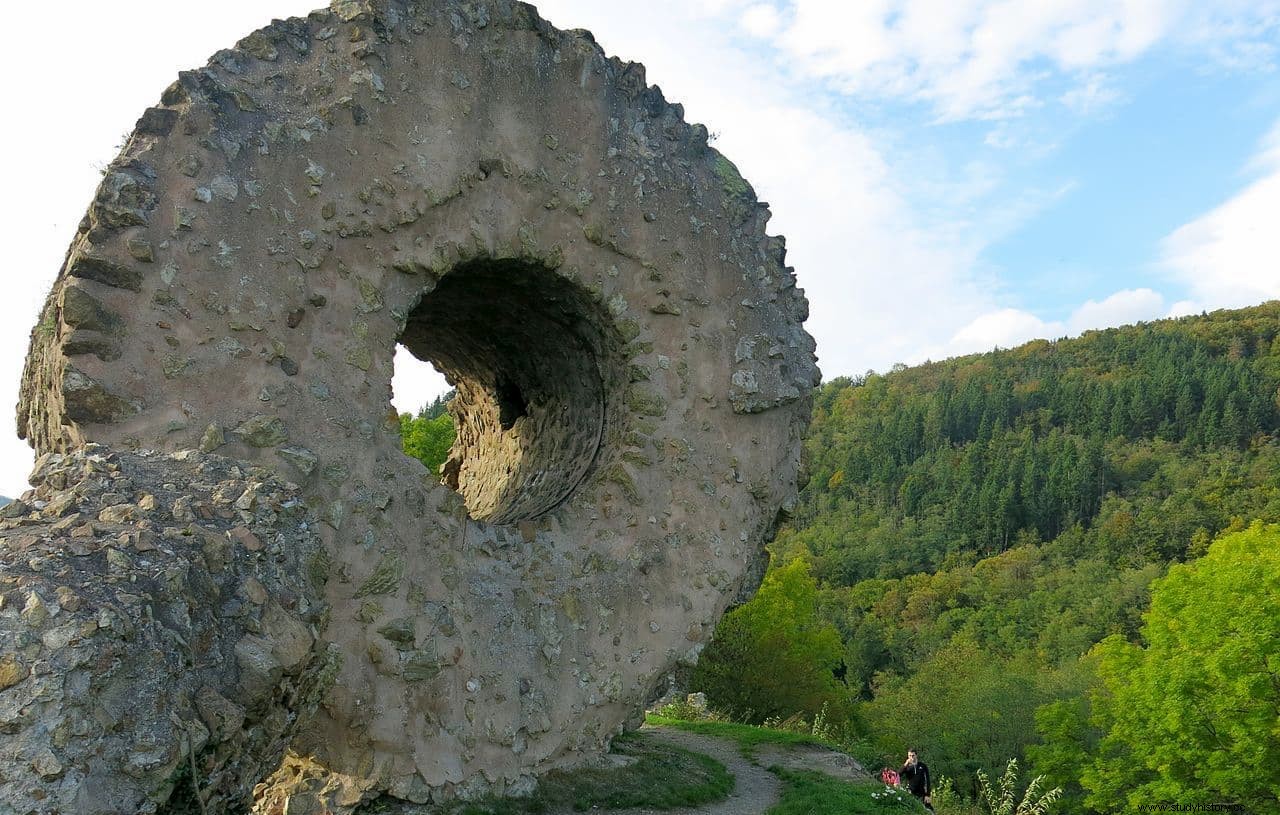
x=1190, y=714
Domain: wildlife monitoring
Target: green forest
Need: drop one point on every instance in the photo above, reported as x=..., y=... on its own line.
x=429, y=435
x=1066, y=553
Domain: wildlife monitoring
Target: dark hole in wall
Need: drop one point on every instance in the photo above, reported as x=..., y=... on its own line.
x=532, y=355
x=511, y=404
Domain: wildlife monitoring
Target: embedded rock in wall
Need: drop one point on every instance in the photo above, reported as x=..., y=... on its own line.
x=505, y=201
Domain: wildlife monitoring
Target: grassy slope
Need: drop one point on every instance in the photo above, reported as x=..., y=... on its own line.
x=745, y=735
x=812, y=793
x=662, y=777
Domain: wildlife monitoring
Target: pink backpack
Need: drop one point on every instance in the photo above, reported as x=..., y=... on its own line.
x=889, y=777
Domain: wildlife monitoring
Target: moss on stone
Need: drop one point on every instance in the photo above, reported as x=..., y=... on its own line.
x=385, y=578
x=731, y=181
x=617, y=474
x=645, y=402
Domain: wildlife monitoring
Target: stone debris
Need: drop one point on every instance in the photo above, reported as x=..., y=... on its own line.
x=120, y=647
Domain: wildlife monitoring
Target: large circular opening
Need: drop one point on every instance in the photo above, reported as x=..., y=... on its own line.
x=532, y=358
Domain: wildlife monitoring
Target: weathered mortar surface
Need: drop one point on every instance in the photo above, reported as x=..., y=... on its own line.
x=627, y=343
x=150, y=605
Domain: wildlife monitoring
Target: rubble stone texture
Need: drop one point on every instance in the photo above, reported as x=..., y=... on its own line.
x=627, y=344
x=152, y=606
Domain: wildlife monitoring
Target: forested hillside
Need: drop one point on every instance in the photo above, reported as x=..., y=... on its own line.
x=976, y=526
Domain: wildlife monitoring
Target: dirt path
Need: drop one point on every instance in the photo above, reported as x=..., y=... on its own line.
x=812, y=757
x=756, y=789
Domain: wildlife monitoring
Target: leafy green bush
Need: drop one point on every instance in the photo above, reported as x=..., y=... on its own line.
x=966, y=707
x=686, y=711
x=774, y=656
x=947, y=801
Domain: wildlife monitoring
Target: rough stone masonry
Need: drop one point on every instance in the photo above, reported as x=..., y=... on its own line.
x=222, y=506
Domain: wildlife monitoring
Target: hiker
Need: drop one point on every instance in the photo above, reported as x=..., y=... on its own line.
x=915, y=774
x=889, y=777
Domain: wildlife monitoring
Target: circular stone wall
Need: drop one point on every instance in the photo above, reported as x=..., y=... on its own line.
x=532, y=217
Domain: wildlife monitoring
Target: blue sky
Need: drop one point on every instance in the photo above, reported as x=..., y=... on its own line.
x=1131, y=175
x=951, y=175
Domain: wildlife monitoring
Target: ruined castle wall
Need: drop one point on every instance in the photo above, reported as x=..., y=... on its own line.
x=504, y=200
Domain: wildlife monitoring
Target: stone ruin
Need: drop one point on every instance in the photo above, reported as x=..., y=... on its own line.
x=228, y=573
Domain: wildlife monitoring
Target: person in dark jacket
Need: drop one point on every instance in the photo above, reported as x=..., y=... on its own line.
x=915, y=775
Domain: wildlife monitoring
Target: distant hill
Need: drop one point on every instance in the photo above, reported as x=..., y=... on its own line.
x=974, y=455
x=4, y=500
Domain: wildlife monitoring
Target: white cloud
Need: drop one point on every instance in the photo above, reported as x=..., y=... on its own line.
x=1239, y=35
x=969, y=58
x=988, y=58
x=1184, y=308
x=1230, y=256
x=1001, y=328
x=414, y=383
x=761, y=20
x=1094, y=94
x=1267, y=158
x=1008, y=327
x=1122, y=308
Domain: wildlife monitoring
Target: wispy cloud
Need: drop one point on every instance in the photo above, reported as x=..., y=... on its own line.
x=1095, y=93
x=995, y=59
x=1007, y=327
x=969, y=58
x=1230, y=256
x=1238, y=35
